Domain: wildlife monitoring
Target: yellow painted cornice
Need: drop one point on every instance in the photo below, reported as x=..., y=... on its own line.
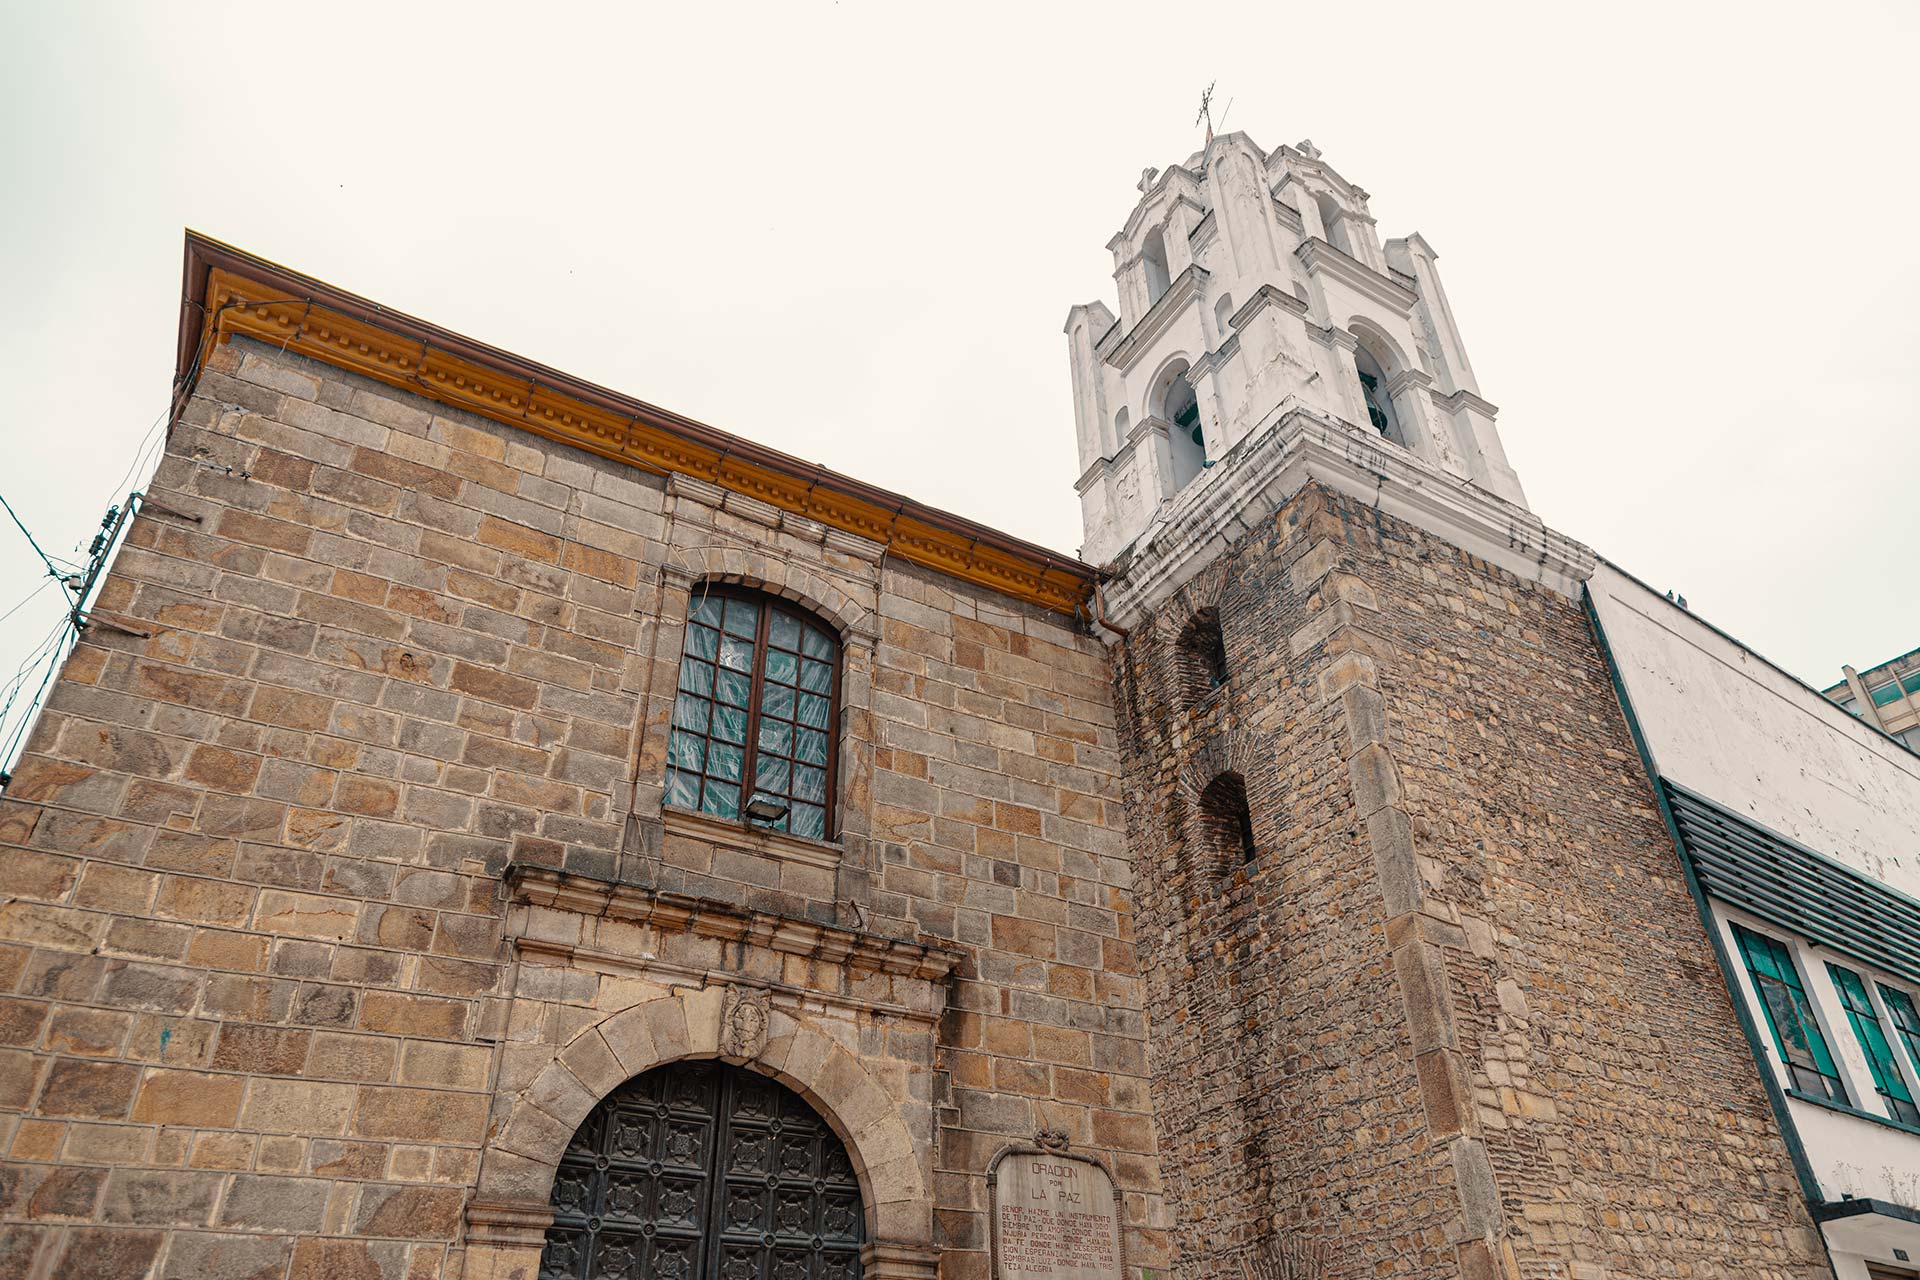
x=229, y=292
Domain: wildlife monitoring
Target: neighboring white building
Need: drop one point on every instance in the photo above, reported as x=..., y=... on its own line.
x=1800, y=832
x=1250, y=284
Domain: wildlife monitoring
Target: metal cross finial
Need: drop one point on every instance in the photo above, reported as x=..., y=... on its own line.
x=1206, y=110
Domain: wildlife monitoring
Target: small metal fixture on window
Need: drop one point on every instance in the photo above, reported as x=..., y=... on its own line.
x=761, y=809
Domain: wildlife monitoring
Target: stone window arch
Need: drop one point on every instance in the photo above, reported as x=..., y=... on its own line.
x=1200, y=657
x=1153, y=257
x=1226, y=823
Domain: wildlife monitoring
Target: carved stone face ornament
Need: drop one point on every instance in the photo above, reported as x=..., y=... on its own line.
x=743, y=1023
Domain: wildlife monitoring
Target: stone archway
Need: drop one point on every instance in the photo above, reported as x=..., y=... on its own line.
x=510, y=1210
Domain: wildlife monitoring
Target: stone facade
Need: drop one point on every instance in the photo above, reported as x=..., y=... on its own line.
x=340, y=895
x=1456, y=1016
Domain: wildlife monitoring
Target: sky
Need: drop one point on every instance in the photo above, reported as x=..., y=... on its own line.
x=1678, y=238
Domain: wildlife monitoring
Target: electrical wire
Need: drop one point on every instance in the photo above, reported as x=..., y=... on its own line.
x=52, y=569
x=45, y=583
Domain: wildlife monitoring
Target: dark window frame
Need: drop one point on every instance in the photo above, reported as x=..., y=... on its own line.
x=767, y=605
x=1882, y=1062
x=1783, y=992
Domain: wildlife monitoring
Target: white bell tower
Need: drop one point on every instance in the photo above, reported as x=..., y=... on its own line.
x=1251, y=284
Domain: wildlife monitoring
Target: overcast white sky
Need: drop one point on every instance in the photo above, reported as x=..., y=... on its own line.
x=1679, y=238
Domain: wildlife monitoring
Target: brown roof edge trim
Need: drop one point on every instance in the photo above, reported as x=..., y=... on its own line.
x=204, y=255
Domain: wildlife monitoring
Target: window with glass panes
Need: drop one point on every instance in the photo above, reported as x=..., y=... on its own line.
x=1905, y=1019
x=1796, y=1033
x=755, y=713
x=1888, y=1081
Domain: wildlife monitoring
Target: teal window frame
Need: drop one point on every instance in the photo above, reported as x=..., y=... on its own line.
x=1888, y=1080
x=1886, y=693
x=1789, y=1013
x=1905, y=1016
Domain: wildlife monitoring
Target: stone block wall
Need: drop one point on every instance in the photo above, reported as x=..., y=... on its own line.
x=1458, y=1016
x=267, y=1004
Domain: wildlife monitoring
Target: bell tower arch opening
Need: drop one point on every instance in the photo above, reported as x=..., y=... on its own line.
x=700, y=1170
x=1175, y=404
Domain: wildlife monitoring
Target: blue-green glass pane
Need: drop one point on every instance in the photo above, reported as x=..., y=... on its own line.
x=810, y=746
x=1887, y=1078
x=743, y=618
x=783, y=630
x=730, y=725
x=736, y=655
x=722, y=799
x=686, y=751
x=770, y=775
x=776, y=700
x=817, y=644
x=733, y=688
x=723, y=761
x=816, y=677
x=1886, y=693
x=690, y=713
x=1911, y=683
x=776, y=737
x=696, y=677
x=808, y=820
x=683, y=789
x=706, y=608
x=813, y=710
x=809, y=784
x=781, y=666
x=703, y=642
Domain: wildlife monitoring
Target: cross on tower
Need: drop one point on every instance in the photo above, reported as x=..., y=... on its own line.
x=1206, y=110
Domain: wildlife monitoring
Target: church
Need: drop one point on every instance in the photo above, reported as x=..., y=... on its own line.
x=495, y=828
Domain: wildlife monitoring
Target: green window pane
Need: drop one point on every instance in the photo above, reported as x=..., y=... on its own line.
x=818, y=644
x=1911, y=683
x=809, y=820
x=783, y=630
x=809, y=784
x=733, y=688
x=816, y=677
x=1906, y=1019
x=776, y=737
x=690, y=713
x=736, y=655
x=706, y=608
x=776, y=700
x=770, y=775
x=696, y=677
x=703, y=642
x=743, y=618
x=1885, y=693
x=813, y=711
x=783, y=667
x=810, y=746
x=722, y=800
x=730, y=725
x=687, y=752
x=1887, y=1080
x=683, y=789
x=724, y=762
x=1796, y=1032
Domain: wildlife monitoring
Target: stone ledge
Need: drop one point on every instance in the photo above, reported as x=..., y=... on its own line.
x=711, y=918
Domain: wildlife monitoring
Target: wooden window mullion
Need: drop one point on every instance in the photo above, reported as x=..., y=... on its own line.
x=750, y=762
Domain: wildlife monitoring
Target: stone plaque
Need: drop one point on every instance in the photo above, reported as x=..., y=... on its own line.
x=1054, y=1218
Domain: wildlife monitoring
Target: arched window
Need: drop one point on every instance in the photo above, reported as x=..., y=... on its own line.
x=1154, y=255
x=754, y=722
x=1187, y=438
x=1200, y=657
x=1120, y=427
x=1373, y=387
x=1223, y=316
x=703, y=1169
x=1331, y=221
x=1226, y=824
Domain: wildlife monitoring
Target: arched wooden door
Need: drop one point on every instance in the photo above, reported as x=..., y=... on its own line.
x=704, y=1171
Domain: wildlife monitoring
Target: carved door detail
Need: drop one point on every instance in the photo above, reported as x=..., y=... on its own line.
x=704, y=1171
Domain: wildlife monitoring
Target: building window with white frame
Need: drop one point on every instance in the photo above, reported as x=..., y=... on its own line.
x=1796, y=1032
x=1888, y=1080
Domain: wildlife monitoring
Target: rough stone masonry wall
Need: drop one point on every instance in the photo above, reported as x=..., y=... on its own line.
x=1486, y=1036
x=262, y=1015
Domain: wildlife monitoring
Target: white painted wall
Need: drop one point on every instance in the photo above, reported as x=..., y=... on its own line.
x=1723, y=722
x=1254, y=225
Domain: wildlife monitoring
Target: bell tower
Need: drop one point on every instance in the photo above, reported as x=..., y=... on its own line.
x=1251, y=283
